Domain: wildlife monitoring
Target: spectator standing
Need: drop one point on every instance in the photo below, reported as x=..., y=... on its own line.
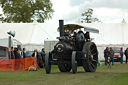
x=15, y=53
x=36, y=55
x=43, y=56
x=11, y=54
x=111, y=55
x=99, y=64
x=121, y=54
x=23, y=53
x=126, y=54
x=18, y=54
x=109, y=62
x=106, y=53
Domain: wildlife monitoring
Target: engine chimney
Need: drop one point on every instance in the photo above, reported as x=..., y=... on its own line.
x=61, y=27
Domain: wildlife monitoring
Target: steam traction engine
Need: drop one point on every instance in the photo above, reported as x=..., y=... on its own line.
x=67, y=57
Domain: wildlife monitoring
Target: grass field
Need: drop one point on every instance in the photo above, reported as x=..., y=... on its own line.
x=117, y=75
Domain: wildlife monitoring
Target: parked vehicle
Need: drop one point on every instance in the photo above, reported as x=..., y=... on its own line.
x=117, y=56
x=29, y=54
x=4, y=52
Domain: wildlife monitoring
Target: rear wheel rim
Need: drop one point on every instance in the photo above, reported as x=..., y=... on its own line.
x=90, y=63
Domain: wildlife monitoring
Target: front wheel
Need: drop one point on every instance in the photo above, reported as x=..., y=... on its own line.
x=74, y=62
x=47, y=63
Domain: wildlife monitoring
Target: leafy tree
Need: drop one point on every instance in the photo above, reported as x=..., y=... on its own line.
x=87, y=16
x=26, y=10
x=1, y=18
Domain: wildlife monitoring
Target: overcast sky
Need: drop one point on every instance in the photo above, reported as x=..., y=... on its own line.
x=108, y=11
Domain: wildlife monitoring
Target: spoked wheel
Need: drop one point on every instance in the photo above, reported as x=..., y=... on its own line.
x=47, y=63
x=63, y=67
x=91, y=54
x=74, y=62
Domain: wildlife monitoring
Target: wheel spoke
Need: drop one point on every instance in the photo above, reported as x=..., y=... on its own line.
x=92, y=65
x=90, y=58
x=92, y=49
x=94, y=53
x=93, y=60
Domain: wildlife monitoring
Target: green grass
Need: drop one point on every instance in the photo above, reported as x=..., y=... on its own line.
x=117, y=75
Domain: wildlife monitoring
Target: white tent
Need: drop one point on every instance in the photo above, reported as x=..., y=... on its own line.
x=5, y=42
x=34, y=34
x=31, y=35
x=110, y=33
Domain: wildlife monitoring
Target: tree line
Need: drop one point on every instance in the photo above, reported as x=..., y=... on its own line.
x=26, y=11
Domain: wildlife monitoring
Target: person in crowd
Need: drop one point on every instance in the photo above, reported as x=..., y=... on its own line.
x=43, y=55
x=80, y=39
x=109, y=62
x=99, y=64
x=23, y=53
x=36, y=55
x=111, y=55
x=87, y=36
x=18, y=54
x=121, y=54
x=15, y=53
x=11, y=53
x=106, y=54
x=126, y=54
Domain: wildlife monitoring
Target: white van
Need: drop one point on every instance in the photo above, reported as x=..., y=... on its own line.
x=4, y=52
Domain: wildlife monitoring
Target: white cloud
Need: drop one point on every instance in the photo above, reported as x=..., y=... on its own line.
x=76, y=2
x=61, y=9
x=108, y=11
x=109, y=4
x=74, y=13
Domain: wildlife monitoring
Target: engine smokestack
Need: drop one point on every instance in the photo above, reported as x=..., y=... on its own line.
x=61, y=27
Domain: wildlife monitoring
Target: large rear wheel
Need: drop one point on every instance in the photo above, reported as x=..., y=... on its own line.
x=91, y=54
x=47, y=63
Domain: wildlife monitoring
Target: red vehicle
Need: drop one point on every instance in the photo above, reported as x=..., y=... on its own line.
x=117, y=56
